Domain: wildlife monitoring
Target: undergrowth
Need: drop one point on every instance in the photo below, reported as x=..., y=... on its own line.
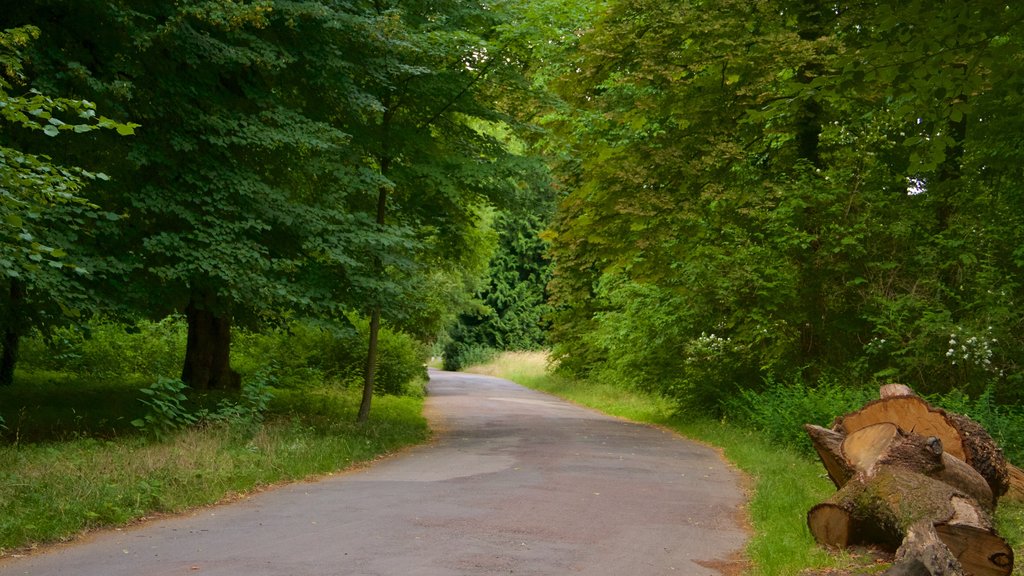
x=97, y=431
x=52, y=491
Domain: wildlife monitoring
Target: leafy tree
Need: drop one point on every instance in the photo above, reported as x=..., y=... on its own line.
x=512, y=309
x=239, y=190
x=43, y=208
x=793, y=189
x=300, y=158
x=434, y=71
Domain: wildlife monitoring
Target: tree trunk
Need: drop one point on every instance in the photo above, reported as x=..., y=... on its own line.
x=370, y=373
x=13, y=329
x=208, y=349
x=902, y=490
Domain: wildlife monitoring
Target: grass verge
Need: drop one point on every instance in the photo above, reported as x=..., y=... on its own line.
x=784, y=483
x=50, y=491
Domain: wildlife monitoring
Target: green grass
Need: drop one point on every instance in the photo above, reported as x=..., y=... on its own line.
x=784, y=483
x=86, y=468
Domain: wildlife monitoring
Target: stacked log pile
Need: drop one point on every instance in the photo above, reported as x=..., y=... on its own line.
x=918, y=480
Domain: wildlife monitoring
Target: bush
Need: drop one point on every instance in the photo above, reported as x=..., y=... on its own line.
x=167, y=412
x=305, y=354
x=299, y=355
x=780, y=410
x=105, y=348
x=458, y=355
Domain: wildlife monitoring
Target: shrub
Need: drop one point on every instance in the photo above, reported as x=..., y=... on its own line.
x=305, y=354
x=106, y=348
x=458, y=355
x=780, y=410
x=167, y=411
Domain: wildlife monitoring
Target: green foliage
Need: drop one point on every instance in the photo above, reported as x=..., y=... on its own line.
x=458, y=355
x=826, y=192
x=167, y=412
x=512, y=311
x=44, y=209
x=242, y=415
x=106, y=348
x=311, y=159
x=780, y=409
x=308, y=354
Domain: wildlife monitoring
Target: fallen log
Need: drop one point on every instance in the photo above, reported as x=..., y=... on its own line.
x=1015, y=492
x=900, y=486
x=960, y=436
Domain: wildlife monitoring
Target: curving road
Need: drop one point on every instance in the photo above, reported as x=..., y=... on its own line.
x=517, y=482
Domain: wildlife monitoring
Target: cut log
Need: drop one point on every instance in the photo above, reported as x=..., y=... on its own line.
x=911, y=414
x=902, y=510
x=982, y=453
x=827, y=443
x=901, y=485
x=885, y=444
x=863, y=448
x=1015, y=477
x=961, y=476
x=831, y=525
x=961, y=437
x=893, y=390
x=978, y=551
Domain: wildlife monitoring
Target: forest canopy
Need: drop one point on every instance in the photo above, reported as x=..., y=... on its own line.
x=776, y=191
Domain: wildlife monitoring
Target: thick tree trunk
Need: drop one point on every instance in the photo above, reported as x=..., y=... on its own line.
x=12, y=331
x=902, y=490
x=208, y=350
x=9, y=358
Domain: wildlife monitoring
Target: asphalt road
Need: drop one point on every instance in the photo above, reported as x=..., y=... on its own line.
x=516, y=482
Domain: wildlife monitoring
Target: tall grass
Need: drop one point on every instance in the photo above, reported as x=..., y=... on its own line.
x=72, y=460
x=785, y=480
x=54, y=490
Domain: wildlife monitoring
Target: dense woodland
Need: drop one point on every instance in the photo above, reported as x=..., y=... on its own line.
x=279, y=163
x=713, y=201
x=793, y=192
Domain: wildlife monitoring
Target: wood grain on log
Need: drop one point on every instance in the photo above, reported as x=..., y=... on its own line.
x=1015, y=492
x=863, y=448
x=911, y=414
x=981, y=552
x=903, y=483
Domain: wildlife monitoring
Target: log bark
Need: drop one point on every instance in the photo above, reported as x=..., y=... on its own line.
x=900, y=487
x=827, y=443
x=14, y=325
x=960, y=436
x=844, y=457
x=923, y=553
x=910, y=513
